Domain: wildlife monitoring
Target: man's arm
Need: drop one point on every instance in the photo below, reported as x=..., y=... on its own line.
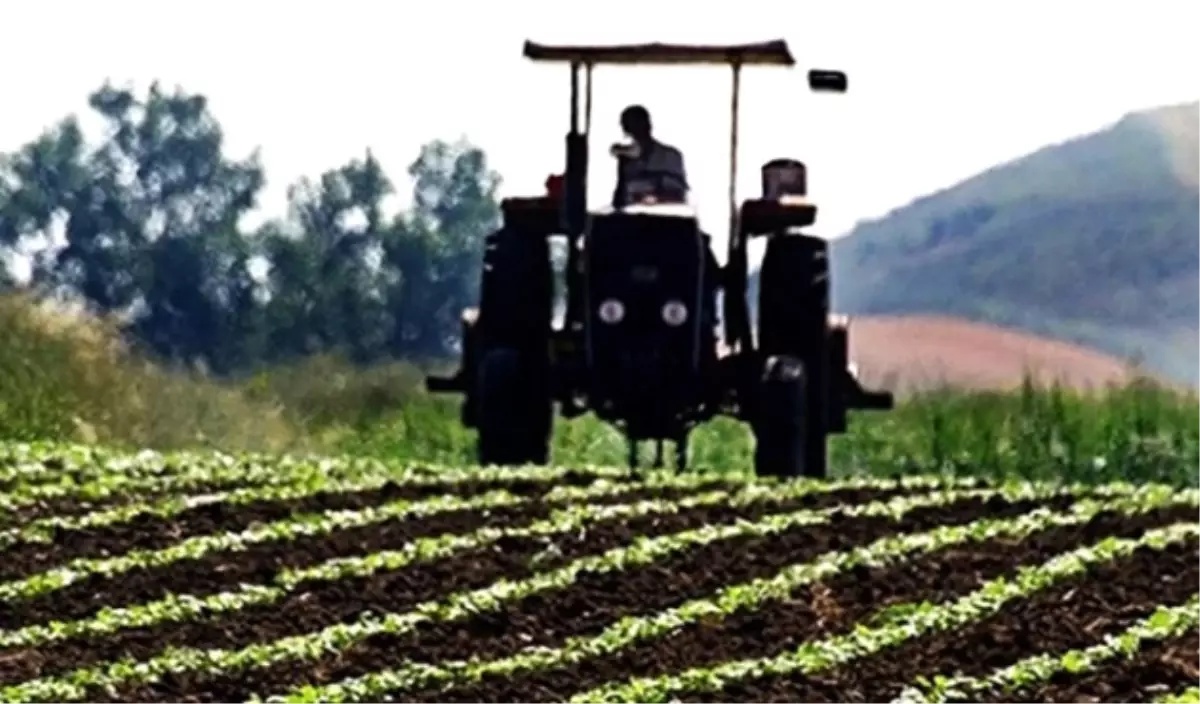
x=668, y=160
x=619, y=190
x=670, y=164
x=682, y=170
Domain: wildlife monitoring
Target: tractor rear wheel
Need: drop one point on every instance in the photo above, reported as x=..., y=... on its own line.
x=784, y=444
x=516, y=297
x=510, y=400
x=513, y=410
x=793, y=321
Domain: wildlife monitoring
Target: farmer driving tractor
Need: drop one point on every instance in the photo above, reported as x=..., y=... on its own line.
x=649, y=172
x=647, y=169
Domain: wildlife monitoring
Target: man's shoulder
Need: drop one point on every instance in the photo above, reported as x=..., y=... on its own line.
x=667, y=155
x=667, y=148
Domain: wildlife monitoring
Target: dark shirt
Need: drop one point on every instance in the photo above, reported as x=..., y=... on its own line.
x=656, y=171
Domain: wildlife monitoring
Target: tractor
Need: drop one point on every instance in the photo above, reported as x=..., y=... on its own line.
x=638, y=343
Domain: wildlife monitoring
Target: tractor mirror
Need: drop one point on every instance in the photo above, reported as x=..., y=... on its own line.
x=827, y=81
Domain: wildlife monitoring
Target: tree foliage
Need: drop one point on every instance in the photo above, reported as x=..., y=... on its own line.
x=146, y=225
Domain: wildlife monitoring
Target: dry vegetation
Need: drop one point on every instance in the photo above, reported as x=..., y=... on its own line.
x=67, y=374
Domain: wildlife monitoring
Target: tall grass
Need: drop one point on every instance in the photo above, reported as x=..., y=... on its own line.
x=67, y=376
x=1137, y=432
x=1140, y=431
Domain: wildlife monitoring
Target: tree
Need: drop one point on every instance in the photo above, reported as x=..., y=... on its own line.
x=146, y=225
x=149, y=218
x=434, y=253
x=326, y=283
x=40, y=183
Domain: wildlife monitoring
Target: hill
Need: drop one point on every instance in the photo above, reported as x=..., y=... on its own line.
x=1093, y=241
x=918, y=351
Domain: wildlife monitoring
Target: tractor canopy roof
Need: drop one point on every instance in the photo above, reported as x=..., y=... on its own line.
x=770, y=53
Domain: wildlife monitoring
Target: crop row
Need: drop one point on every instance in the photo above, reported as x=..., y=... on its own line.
x=377, y=599
x=270, y=513
x=289, y=529
x=53, y=462
x=1164, y=623
x=893, y=626
x=225, y=473
x=414, y=482
x=40, y=506
x=32, y=463
x=575, y=518
x=312, y=481
x=45, y=530
x=309, y=647
x=740, y=597
x=185, y=607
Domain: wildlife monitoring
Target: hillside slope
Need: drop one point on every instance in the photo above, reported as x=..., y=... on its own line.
x=1095, y=240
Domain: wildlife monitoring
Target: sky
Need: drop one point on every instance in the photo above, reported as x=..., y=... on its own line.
x=938, y=89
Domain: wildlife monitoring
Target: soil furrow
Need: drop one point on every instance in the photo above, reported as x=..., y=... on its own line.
x=1074, y=614
x=75, y=506
x=318, y=604
x=150, y=532
x=587, y=606
x=1160, y=668
x=811, y=612
x=257, y=563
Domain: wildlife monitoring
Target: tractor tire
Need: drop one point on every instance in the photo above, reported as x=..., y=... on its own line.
x=793, y=297
x=516, y=293
x=793, y=322
x=785, y=445
x=513, y=410
x=510, y=398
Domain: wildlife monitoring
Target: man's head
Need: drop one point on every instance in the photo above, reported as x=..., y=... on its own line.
x=635, y=121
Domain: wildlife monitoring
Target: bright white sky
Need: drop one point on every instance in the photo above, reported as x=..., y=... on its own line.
x=939, y=89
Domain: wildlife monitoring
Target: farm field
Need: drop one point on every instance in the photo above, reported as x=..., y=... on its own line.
x=213, y=577
x=972, y=355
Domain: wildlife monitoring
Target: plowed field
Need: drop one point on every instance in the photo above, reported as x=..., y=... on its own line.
x=211, y=578
x=905, y=353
